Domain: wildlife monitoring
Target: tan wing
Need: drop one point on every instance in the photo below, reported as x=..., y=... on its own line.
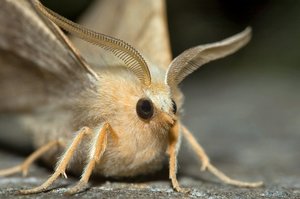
x=141, y=23
x=36, y=64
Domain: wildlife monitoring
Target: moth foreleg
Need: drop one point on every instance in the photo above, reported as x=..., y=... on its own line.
x=23, y=167
x=96, y=153
x=62, y=165
x=202, y=155
x=174, y=141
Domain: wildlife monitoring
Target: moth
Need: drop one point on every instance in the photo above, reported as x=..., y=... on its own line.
x=102, y=105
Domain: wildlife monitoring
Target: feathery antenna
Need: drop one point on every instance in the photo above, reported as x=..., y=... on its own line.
x=191, y=59
x=129, y=55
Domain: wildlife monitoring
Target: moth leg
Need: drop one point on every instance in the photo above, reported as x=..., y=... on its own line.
x=23, y=167
x=174, y=142
x=62, y=165
x=96, y=153
x=197, y=148
x=219, y=174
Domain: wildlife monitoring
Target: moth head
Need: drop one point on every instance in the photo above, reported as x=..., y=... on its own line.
x=183, y=65
x=157, y=104
x=167, y=97
x=162, y=101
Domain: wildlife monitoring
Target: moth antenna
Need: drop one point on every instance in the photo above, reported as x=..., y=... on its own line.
x=129, y=55
x=191, y=59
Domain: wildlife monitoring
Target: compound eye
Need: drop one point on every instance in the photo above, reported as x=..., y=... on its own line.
x=174, y=106
x=144, y=108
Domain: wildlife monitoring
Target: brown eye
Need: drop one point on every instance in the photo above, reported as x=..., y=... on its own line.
x=174, y=106
x=144, y=108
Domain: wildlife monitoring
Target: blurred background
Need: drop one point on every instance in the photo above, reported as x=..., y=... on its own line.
x=244, y=109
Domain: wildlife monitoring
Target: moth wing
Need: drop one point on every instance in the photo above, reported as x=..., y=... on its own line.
x=141, y=23
x=38, y=65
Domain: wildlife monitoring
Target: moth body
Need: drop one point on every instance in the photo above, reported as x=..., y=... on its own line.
x=140, y=146
x=110, y=119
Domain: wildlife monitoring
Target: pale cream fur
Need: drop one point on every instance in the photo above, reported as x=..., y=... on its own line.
x=141, y=144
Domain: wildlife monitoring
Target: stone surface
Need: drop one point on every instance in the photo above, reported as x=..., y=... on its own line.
x=279, y=182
